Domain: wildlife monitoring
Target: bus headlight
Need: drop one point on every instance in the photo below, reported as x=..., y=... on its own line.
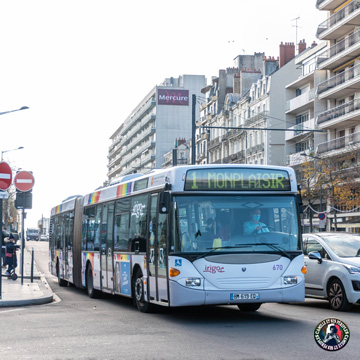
x=290, y=280
x=193, y=282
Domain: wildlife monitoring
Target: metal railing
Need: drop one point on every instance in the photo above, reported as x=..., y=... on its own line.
x=339, y=79
x=338, y=111
x=338, y=16
x=339, y=143
x=339, y=47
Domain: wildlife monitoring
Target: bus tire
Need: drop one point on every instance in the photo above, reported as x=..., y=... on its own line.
x=249, y=307
x=93, y=293
x=61, y=282
x=139, y=296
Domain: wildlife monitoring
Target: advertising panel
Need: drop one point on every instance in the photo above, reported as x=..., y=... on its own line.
x=173, y=97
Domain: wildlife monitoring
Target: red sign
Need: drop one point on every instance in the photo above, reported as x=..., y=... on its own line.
x=5, y=175
x=24, y=181
x=322, y=216
x=173, y=97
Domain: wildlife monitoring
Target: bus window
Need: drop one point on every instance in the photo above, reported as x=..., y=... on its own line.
x=138, y=222
x=121, y=232
x=89, y=228
x=121, y=226
x=110, y=223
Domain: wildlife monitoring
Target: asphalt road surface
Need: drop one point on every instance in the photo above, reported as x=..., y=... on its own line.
x=77, y=327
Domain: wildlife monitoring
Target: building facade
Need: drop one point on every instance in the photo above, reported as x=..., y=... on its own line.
x=339, y=93
x=150, y=131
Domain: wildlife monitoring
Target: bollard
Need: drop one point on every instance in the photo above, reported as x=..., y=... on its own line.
x=32, y=265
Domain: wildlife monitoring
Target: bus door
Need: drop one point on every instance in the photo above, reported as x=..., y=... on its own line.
x=157, y=253
x=67, y=245
x=106, y=232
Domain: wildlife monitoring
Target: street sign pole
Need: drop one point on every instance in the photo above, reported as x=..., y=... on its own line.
x=5, y=182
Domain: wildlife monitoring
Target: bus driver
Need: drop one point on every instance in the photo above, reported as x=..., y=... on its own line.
x=254, y=226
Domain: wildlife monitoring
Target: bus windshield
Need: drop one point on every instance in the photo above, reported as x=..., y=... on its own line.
x=233, y=223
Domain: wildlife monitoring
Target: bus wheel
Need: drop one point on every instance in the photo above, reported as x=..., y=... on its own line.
x=90, y=284
x=249, y=307
x=141, y=304
x=61, y=282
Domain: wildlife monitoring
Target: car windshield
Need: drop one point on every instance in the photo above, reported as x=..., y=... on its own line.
x=235, y=224
x=343, y=245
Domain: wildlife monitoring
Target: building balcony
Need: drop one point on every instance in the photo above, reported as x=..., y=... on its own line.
x=301, y=103
x=297, y=158
x=148, y=106
x=328, y=4
x=255, y=149
x=260, y=116
x=341, y=144
x=340, y=23
x=343, y=51
x=213, y=143
x=347, y=114
x=340, y=85
x=300, y=130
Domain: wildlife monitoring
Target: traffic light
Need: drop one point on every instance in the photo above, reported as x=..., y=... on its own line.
x=23, y=200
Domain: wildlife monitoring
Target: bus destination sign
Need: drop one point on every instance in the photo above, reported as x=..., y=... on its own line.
x=245, y=179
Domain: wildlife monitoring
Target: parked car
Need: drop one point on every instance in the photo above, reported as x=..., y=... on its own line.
x=44, y=238
x=333, y=268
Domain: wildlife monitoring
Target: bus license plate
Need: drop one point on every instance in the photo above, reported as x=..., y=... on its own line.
x=245, y=296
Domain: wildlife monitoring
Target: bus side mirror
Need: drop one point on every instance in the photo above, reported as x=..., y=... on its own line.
x=164, y=202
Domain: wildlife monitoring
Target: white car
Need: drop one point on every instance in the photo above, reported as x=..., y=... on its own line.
x=333, y=268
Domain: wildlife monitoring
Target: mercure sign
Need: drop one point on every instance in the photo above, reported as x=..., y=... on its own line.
x=173, y=97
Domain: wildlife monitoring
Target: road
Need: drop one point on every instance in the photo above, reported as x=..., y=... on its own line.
x=78, y=327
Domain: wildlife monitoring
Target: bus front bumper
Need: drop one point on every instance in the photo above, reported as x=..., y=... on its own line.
x=184, y=296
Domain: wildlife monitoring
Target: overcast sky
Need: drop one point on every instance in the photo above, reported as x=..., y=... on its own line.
x=82, y=66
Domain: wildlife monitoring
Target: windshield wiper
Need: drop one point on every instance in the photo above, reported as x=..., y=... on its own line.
x=219, y=248
x=272, y=246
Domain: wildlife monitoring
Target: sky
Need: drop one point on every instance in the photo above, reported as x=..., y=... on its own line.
x=82, y=66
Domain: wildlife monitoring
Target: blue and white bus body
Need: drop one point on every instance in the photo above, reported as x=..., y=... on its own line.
x=139, y=250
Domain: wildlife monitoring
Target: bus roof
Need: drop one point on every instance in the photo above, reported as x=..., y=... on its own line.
x=180, y=180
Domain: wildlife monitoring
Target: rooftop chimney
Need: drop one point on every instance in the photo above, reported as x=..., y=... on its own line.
x=301, y=46
x=287, y=53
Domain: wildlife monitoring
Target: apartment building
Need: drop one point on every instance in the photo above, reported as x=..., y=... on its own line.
x=254, y=100
x=150, y=131
x=302, y=106
x=340, y=90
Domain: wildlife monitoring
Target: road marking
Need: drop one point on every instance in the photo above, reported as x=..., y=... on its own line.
x=6, y=311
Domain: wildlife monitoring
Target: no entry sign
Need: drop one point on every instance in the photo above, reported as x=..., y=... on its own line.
x=5, y=175
x=24, y=181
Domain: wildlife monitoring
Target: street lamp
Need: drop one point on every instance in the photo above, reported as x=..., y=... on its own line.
x=19, y=148
x=10, y=111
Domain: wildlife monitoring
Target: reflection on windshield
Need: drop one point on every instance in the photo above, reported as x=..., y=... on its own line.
x=235, y=223
x=344, y=245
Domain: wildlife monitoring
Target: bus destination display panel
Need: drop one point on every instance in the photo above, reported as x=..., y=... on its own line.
x=237, y=180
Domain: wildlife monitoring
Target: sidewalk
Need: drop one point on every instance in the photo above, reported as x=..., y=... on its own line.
x=30, y=293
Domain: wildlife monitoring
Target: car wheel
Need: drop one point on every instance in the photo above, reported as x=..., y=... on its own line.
x=337, y=296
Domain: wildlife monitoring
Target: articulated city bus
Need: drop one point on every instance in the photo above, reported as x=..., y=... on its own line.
x=184, y=236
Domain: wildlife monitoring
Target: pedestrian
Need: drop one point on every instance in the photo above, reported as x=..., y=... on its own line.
x=10, y=254
x=3, y=243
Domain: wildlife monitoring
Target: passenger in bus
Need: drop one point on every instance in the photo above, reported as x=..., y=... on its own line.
x=254, y=226
x=224, y=229
x=188, y=239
